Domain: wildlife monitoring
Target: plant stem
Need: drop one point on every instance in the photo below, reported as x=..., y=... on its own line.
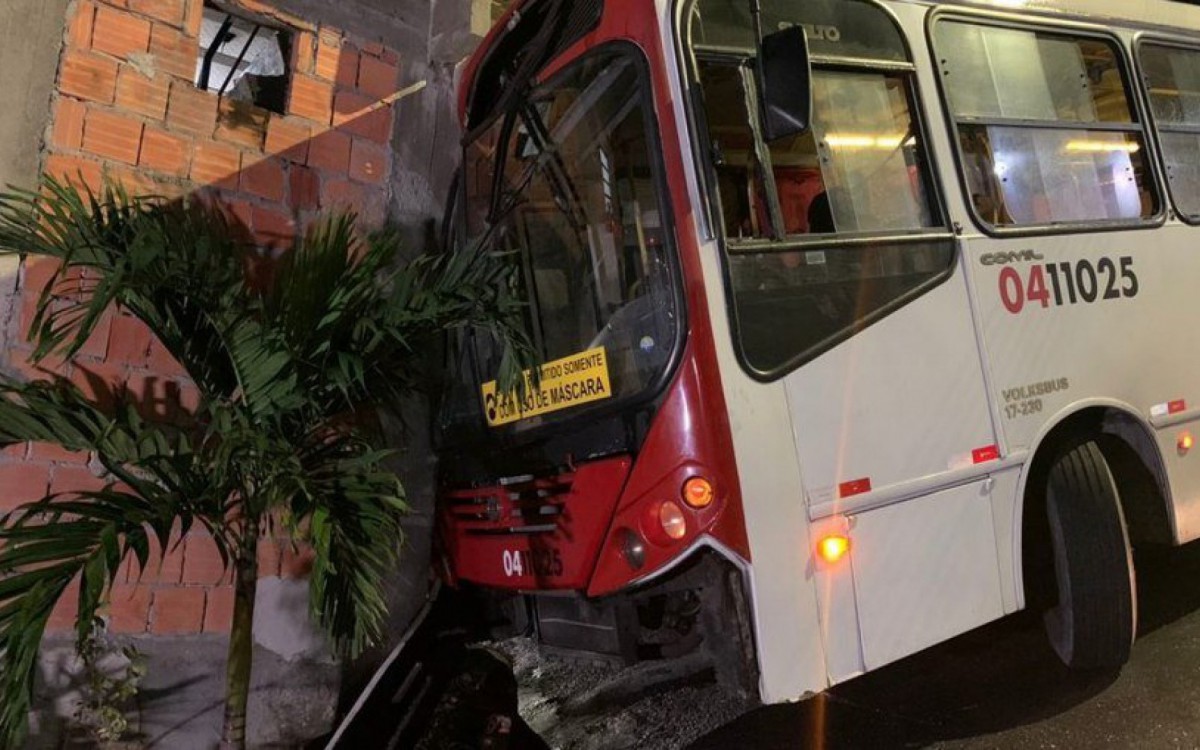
x=241, y=641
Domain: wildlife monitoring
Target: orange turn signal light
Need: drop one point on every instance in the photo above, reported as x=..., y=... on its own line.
x=1185, y=442
x=833, y=548
x=698, y=492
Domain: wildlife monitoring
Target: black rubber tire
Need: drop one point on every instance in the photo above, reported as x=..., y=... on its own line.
x=1093, y=624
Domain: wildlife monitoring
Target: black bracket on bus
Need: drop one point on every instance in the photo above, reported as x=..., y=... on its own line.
x=784, y=79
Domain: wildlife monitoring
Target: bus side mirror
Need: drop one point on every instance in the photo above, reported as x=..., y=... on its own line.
x=785, y=83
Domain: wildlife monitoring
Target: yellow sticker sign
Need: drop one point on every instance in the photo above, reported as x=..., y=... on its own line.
x=565, y=383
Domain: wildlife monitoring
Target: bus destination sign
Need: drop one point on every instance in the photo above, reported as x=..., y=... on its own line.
x=565, y=383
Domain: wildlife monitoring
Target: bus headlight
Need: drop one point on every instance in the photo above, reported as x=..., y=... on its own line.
x=672, y=520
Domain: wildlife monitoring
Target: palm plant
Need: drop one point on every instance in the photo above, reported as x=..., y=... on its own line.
x=289, y=362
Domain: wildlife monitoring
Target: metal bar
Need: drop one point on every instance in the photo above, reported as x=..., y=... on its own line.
x=211, y=52
x=241, y=56
x=825, y=242
x=745, y=53
x=1016, y=122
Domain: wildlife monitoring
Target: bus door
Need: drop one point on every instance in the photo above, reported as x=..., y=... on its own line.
x=846, y=285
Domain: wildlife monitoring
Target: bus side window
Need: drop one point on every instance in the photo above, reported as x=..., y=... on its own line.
x=1045, y=127
x=861, y=159
x=1173, y=78
x=734, y=158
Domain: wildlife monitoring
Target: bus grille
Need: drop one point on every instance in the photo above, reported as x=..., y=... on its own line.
x=519, y=505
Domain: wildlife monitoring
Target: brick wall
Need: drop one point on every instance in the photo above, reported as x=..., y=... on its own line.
x=124, y=105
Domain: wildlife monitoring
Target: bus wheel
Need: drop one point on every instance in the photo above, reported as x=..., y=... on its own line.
x=1094, y=621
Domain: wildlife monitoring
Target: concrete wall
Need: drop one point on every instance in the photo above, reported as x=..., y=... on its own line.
x=32, y=31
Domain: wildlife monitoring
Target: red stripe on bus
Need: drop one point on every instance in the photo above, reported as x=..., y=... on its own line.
x=1176, y=406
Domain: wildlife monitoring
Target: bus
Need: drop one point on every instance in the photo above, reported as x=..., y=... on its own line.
x=862, y=323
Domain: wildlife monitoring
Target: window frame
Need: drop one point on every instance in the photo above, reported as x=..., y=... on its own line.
x=569, y=419
x=288, y=38
x=942, y=229
x=1133, y=95
x=1190, y=44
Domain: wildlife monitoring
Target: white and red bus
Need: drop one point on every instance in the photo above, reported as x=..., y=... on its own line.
x=865, y=323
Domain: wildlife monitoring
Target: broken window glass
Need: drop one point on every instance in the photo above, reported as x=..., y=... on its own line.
x=243, y=60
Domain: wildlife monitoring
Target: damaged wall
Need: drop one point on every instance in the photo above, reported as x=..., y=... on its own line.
x=106, y=89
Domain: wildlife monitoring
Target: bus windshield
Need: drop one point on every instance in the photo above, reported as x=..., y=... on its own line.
x=567, y=184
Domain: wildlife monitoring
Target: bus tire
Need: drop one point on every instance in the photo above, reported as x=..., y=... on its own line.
x=1094, y=621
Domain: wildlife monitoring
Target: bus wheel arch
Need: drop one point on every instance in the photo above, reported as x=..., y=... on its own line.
x=1104, y=467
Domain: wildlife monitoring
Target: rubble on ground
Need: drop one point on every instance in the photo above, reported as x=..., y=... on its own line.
x=575, y=704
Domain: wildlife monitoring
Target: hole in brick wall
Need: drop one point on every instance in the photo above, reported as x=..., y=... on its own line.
x=243, y=59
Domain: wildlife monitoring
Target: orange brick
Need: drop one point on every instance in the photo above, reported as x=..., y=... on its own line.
x=88, y=76
x=112, y=136
x=202, y=562
x=161, y=361
x=174, y=52
x=177, y=611
x=68, y=123
x=273, y=228
x=194, y=17
x=135, y=182
x=119, y=33
x=155, y=395
x=218, y=612
x=97, y=343
x=129, y=338
x=52, y=453
x=288, y=138
x=240, y=216
x=16, y=451
x=129, y=608
x=100, y=381
x=187, y=399
x=168, y=11
x=242, y=123
x=330, y=151
x=160, y=568
x=75, y=478
x=75, y=171
x=368, y=162
x=145, y=96
x=268, y=558
x=360, y=115
x=191, y=110
x=311, y=98
x=82, y=23
x=62, y=619
x=305, y=192
x=304, y=52
x=22, y=483
x=342, y=194
x=264, y=178
x=38, y=273
x=345, y=71
x=166, y=153
x=376, y=77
